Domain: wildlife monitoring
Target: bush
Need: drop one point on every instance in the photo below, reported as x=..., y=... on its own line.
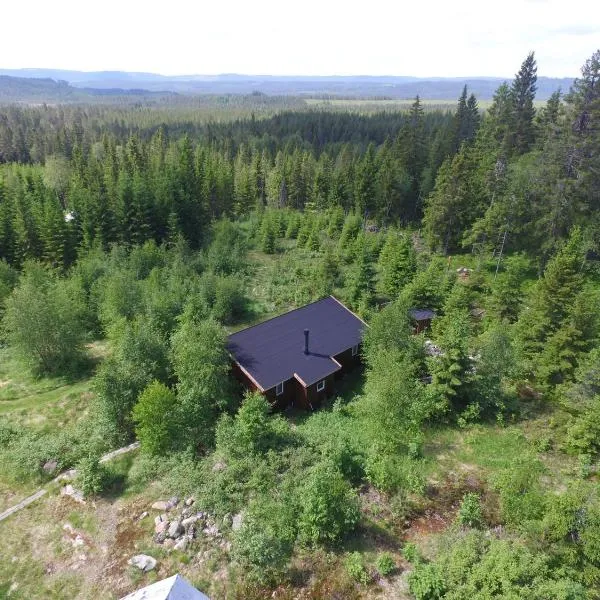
x=45, y=321
x=426, y=582
x=230, y=302
x=390, y=473
x=521, y=497
x=469, y=513
x=252, y=431
x=385, y=564
x=473, y=565
x=153, y=415
x=92, y=477
x=356, y=569
x=411, y=553
x=329, y=506
x=264, y=543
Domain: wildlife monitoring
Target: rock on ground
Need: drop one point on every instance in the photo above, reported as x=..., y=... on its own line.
x=143, y=562
x=175, y=529
x=236, y=522
x=69, y=490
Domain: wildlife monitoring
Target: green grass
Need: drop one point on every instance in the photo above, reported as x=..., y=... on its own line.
x=42, y=403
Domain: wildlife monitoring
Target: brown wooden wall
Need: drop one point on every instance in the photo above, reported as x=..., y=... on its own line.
x=312, y=399
x=348, y=361
x=420, y=326
x=291, y=395
x=294, y=393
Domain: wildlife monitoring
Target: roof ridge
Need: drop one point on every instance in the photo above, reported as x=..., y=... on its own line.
x=289, y=312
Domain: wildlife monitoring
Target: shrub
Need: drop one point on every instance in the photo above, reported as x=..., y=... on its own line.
x=521, y=497
x=329, y=506
x=473, y=565
x=390, y=473
x=229, y=302
x=252, y=431
x=426, y=582
x=356, y=569
x=44, y=322
x=153, y=417
x=411, y=553
x=385, y=564
x=264, y=543
x=92, y=477
x=469, y=512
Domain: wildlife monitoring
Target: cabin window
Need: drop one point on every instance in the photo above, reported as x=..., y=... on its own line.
x=354, y=350
x=321, y=386
x=279, y=389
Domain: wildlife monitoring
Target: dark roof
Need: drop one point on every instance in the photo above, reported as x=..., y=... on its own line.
x=273, y=351
x=421, y=314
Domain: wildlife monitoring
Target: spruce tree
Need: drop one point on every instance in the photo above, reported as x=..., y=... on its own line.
x=522, y=95
x=397, y=264
x=359, y=279
x=552, y=299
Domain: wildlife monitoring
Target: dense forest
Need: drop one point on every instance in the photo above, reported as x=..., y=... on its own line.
x=133, y=239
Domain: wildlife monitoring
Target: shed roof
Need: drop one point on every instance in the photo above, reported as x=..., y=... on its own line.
x=273, y=351
x=172, y=588
x=421, y=314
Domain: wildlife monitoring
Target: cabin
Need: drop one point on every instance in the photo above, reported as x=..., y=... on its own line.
x=421, y=318
x=295, y=359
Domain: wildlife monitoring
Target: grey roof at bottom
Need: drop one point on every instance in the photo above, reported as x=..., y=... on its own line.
x=273, y=351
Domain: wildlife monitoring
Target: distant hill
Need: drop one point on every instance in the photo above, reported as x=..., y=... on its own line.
x=68, y=85
x=40, y=90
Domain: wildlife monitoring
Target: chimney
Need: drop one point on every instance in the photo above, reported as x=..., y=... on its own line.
x=306, y=341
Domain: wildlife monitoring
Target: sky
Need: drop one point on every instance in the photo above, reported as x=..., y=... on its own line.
x=313, y=37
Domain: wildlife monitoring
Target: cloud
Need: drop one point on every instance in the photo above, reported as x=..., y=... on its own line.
x=577, y=29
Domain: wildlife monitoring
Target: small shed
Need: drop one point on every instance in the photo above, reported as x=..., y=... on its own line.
x=172, y=588
x=295, y=359
x=421, y=318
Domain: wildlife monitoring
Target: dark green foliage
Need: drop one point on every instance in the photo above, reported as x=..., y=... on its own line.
x=252, y=431
x=327, y=273
x=201, y=365
x=582, y=400
x=451, y=371
x=397, y=264
x=356, y=569
x=359, y=279
x=429, y=287
x=329, y=506
x=8, y=280
x=473, y=566
x=268, y=234
x=92, y=476
x=226, y=253
x=264, y=544
x=469, y=512
x=521, y=497
x=385, y=564
x=44, y=322
x=560, y=321
x=506, y=294
x=154, y=418
x=523, y=94
x=139, y=356
x=454, y=203
x=157, y=229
